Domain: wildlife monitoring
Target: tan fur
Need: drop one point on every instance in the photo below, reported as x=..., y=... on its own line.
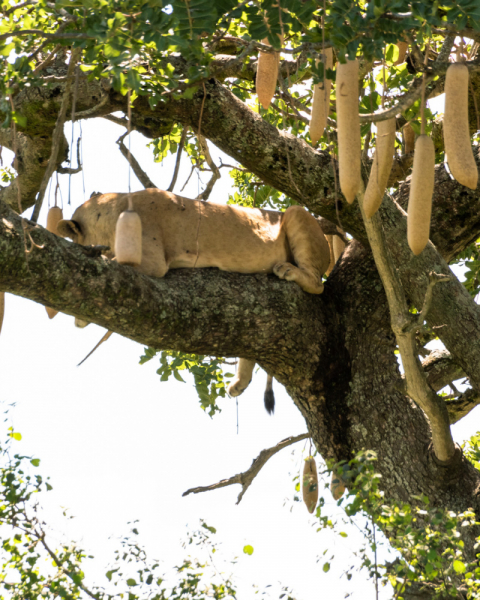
x=178, y=232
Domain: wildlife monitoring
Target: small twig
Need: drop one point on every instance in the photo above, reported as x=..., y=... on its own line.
x=57, y=135
x=246, y=478
x=415, y=50
x=137, y=169
x=47, y=61
x=104, y=339
x=92, y=112
x=178, y=159
x=215, y=171
x=17, y=6
x=199, y=132
x=419, y=319
x=73, y=575
x=188, y=178
x=123, y=121
x=49, y=36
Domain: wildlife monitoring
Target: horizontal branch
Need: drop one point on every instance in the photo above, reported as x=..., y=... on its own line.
x=246, y=478
x=49, y=36
x=441, y=369
x=461, y=406
x=204, y=311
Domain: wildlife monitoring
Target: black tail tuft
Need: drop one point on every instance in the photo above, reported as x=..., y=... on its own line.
x=269, y=400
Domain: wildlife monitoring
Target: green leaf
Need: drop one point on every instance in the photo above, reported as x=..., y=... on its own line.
x=131, y=582
x=459, y=566
x=326, y=567
x=248, y=550
x=16, y=436
x=177, y=376
x=35, y=462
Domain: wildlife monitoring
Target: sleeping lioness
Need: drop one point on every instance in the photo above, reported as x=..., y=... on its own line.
x=178, y=232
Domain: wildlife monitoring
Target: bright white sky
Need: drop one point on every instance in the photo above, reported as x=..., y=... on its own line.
x=119, y=445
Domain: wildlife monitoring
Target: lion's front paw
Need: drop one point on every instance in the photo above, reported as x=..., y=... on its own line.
x=236, y=388
x=285, y=271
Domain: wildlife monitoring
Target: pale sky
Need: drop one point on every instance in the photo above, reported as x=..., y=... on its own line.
x=119, y=445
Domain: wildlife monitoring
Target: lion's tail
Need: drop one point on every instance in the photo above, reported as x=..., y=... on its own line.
x=269, y=397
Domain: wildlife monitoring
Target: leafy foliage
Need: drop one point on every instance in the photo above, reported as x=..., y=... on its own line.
x=428, y=541
x=34, y=566
x=209, y=378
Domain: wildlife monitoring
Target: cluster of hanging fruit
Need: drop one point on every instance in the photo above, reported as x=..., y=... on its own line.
x=458, y=147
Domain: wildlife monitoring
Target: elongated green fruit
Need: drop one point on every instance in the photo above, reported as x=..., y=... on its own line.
x=402, y=50
x=421, y=192
x=267, y=74
x=321, y=101
x=381, y=166
x=310, y=484
x=348, y=127
x=337, y=486
x=456, y=133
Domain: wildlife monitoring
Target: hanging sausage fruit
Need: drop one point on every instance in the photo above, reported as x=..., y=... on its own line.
x=348, y=128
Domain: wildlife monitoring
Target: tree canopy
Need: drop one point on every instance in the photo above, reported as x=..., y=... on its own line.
x=183, y=74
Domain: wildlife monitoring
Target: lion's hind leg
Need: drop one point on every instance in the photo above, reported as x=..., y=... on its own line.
x=309, y=248
x=242, y=378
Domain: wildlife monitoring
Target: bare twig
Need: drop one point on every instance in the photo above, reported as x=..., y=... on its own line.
x=92, y=112
x=178, y=159
x=188, y=178
x=123, y=121
x=416, y=384
x=57, y=135
x=104, y=339
x=137, y=169
x=17, y=6
x=215, y=171
x=47, y=61
x=414, y=50
x=418, y=320
x=245, y=479
x=73, y=575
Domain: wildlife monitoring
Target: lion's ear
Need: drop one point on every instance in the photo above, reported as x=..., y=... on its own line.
x=70, y=229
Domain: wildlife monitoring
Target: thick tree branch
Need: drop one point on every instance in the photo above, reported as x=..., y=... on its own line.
x=441, y=369
x=194, y=310
x=246, y=478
